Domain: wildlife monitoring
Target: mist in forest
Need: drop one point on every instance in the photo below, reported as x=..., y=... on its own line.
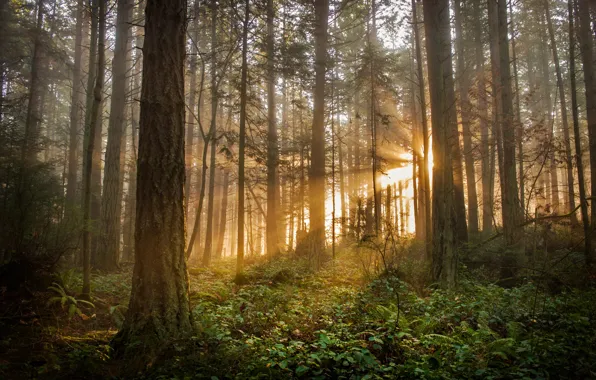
x=297, y=189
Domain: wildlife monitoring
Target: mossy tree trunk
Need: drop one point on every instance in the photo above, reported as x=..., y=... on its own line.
x=159, y=308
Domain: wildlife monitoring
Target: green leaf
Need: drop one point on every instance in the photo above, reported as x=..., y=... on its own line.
x=300, y=370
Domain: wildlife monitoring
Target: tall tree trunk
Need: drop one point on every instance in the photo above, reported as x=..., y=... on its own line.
x=459, y=202
x=481, y=105
x=586, y=41
x=549, y=121
x=493, y=21
x=317, y=172
x=444, y=254
x=159, y=308
x=33, y=118
x=128, y=249
x=561, y=87
x=190, y=119
x=272, y=148
x=212, y=136
x=425, y=189
x=577, y=139
x=242, y=143
x=75, y=108
x=93, y=121
x=518, y=122
x=510, y=195
x=91, y=79
x=111, y=205
x=465, y=118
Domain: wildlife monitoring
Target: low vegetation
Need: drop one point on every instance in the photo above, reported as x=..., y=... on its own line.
x=345, y=321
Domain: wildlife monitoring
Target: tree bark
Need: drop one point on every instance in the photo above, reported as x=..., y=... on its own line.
x=190, y=120
x=481, y=105
x=577, y=140
x=213, y=137
x=444, y=253
x=130, y=217
x=242, y=143
x=272, y=148
x=223, y=219
x=75, y=108
x=111, y=205
x=425, y=189
x=561, y=87
x=509, y=190
x=317, y=172
x=159, y=308
x=33, y=117
x=586, y=40
x=465, y=118
x=93, y=121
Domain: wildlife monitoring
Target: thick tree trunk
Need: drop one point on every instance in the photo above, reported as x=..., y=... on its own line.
x=159, y=308
x=111, y=205
x=317, y=172
x=93, y=121
x=444, y=253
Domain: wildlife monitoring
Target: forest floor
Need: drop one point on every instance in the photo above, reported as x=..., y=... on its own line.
x=287, y=321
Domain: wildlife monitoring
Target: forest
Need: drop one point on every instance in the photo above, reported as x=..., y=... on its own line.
x=297, y=189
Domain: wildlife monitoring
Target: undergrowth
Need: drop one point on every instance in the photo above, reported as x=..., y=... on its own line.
x=287, y=321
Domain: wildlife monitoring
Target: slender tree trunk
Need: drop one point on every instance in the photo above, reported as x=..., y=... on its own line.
x=510, y=195
x=561, y=87
x=190, y=119
x=425, y=188
x=465, y=117
x=481, y=105
x=159, y=308
x=111, y=205
x=577, y=140
x=212, y=137
x=586, y=40
x=444, y=254
x=129, y=249
x=75, y=108
x=93, y=118
x=241, y=143
x=33, y=118
x=272, y=148
x=518, y=121
x=317, y=175
x=223, y=219
x=91, y=79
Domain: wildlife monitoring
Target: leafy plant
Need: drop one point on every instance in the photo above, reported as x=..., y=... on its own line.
x=67, y=301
